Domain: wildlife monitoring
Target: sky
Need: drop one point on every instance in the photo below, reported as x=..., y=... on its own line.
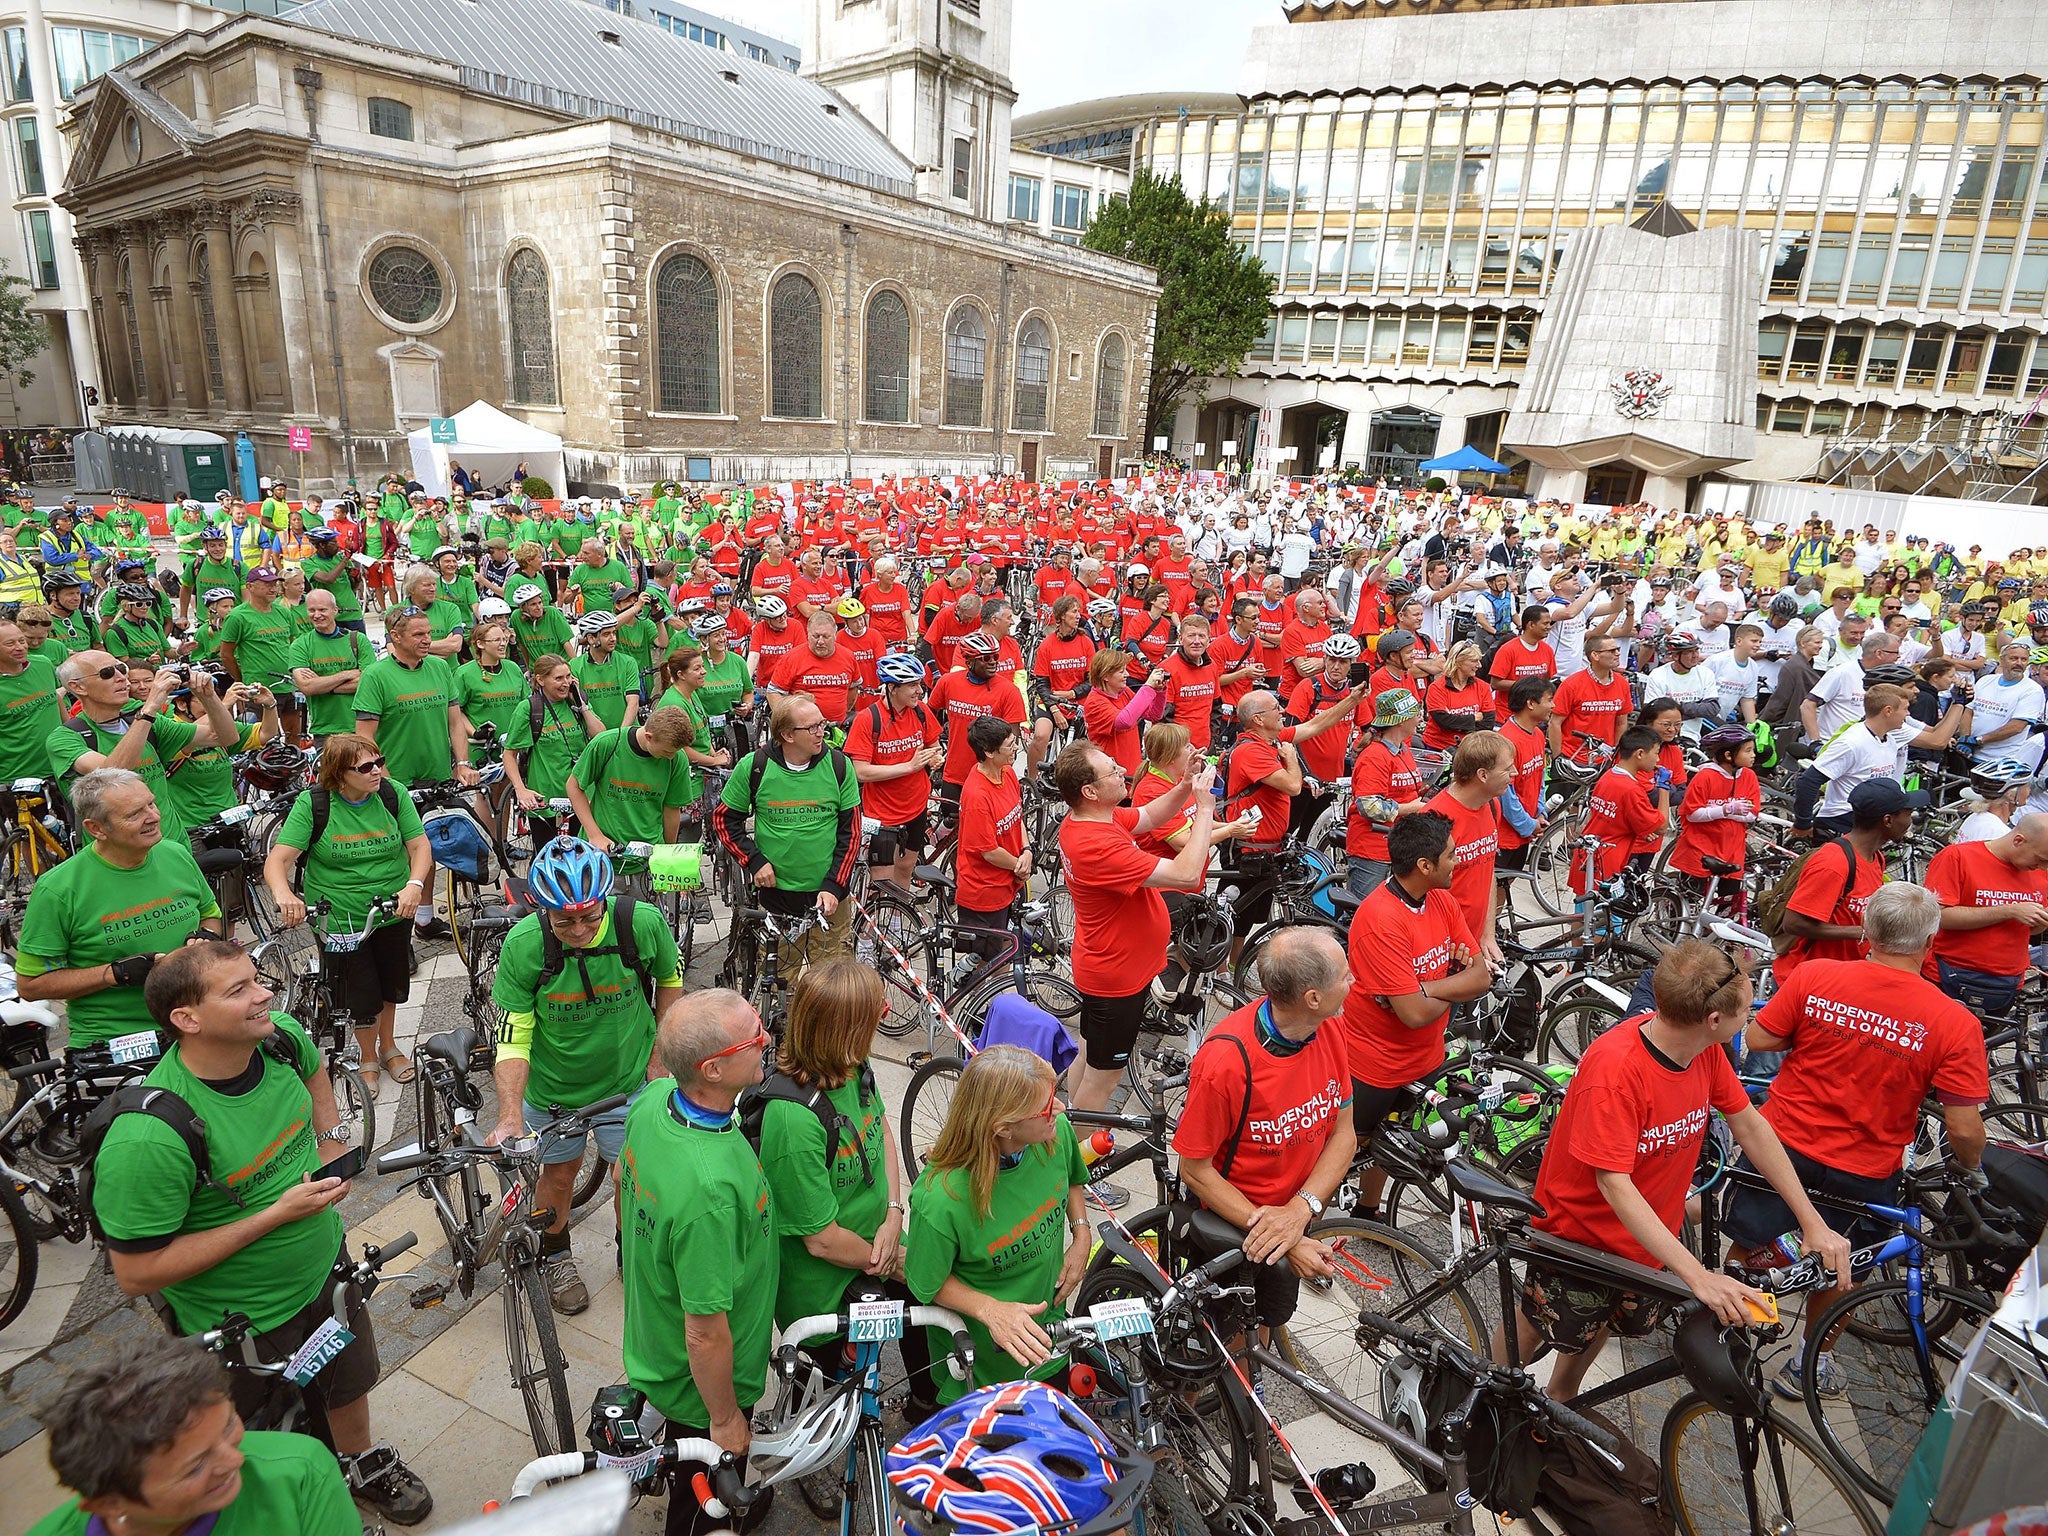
x=1077, y=50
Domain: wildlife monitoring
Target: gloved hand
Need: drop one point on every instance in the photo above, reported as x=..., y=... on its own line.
x=1661, y=779
x=1974, y=1181
x=1741, y=810
x=1713, y=810
x=132, y=971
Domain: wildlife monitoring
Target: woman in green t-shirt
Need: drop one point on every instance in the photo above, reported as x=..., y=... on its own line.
x=372, y=849
x=490, y=689
x=546, y=737
x=684, y=673
x=997, y=1230
x=728, y=686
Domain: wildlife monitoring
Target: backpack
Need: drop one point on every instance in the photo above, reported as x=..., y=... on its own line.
x=760, y=769
x=323, y=806
x=1768, y=911
x=1590, y=1498
x=555, y=956
x=753, y=1112
x=142, y=1099
x=459, y=844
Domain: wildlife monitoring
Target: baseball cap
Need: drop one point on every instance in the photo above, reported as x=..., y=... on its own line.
x=265, y=573
x=1874, y=799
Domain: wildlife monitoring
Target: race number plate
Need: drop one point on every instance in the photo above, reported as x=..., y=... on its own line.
x=635, y=1467
x=235, y=815
x=1490, y=1097
x=870, y=1322
x=1121, y=1318
x=327, y=1341
x=143, y=1045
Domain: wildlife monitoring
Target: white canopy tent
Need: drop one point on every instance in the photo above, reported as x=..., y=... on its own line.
x=490, y=445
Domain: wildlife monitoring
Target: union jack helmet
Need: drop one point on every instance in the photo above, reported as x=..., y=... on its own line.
x=1019, y=1456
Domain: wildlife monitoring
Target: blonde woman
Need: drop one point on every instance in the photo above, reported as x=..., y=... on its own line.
x=997, y=1229
x=830, y=1156
x=1460, y=702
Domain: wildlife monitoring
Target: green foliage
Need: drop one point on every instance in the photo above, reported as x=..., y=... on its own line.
x=1435, y=483
x=22, y=331
x=537, y=488
x=1214, y=304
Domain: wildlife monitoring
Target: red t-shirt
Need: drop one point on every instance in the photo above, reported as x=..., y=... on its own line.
x=1475, y=698
x=1063, y=663
x=944, y=633
x=1515, y=661
x=1724, y=839
x=831, y=680
x=1825, y=894
x=1892, y=1036
x=820, y=591
x=1098, y=718
x=1395, y=948
x=776, y=579
x=1252, y=760
x=1582, y=703
x=1971, y=875
x=1294, y=1102
x=1191, y=693
x=1627, y=1111
x=1618, y=812
x=888, y=610
x=1233, y=653
x=1053, y=584
x=1149, y=638
x=1301, y=642
x=1384, y=681
x=1120, y=927
x=1322, y=757
x=768, y=645
x=991, y=816
x=1269, y=624
x=880, y=736
x=1149, y=786
x=1476, y=835
x=958, y=700
x=1380, y=771
x=1532, y=750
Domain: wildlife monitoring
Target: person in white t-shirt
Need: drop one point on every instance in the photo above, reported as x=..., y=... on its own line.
x=2006, y=709
x=1737, y=673
x=1837, y=700
x=1686, y=681
x=1779, y=627
x=1998, y=790
x=1873, y=748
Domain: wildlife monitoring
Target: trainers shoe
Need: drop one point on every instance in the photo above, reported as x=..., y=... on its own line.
x=436, y=929
x=379, y=1479
x=565, y=1283
x=1110, y=1196
x=1790, y=1382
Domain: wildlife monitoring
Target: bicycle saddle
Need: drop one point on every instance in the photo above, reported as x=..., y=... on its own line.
x=1210, y=1232
x=1477, y=1185
x=931, y=874
x=1719, y=867
x=453, y=1047
x=218, y=861
x=1342, y=899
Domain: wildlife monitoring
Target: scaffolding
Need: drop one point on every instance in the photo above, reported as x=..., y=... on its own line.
x=1996, y=456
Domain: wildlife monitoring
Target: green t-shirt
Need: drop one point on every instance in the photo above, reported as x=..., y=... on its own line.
x=373, y=533
x=29, y=711
x=54, y=651
x=203, y=781
x=260, y=1143
x=811, y=1194
x=361, y=856
x=74, y=631
x=444, y=618
x=167, y=738
x=187, y=531
x=592, y=1028
x=491, y=698
x=410, y=708
x=85, y=912
x=212, y=573
x=600, y=584
x=425, y=538
x=567, y=535
x=548, y=762
x=725, y=684
x=636, y=640
x=796, y=820
x=206, y=642
x=461, y=591
x=1013, y=1254
x=629, y=788
x=550, y=635
x=606, y=683
x=697, y=1238
x=262, y=642
x=131, y=529
x=330, y=574
x=289, y=1483
x=129, y=640
x=323, y=656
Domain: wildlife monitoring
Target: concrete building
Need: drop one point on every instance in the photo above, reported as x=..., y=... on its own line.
x=687, y=264
x=1414, y=174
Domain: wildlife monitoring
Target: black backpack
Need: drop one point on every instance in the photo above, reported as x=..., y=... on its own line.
x=754, y=1102
x=760, y=768
x=142, y=1099
x=323, y=807
x=555, y=956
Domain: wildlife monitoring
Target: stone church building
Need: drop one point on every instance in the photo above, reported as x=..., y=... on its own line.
x=685, y=263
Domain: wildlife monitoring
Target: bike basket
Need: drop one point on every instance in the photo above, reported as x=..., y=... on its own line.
x=459, y=845
x=677, y=866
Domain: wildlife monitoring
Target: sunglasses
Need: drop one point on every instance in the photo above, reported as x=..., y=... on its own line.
x=117, y=669
x=760, y=1039
x=367, y=765
x=1052, y=1103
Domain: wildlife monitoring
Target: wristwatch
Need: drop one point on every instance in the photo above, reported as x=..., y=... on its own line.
x=339, y=1133
x=1315, y=1206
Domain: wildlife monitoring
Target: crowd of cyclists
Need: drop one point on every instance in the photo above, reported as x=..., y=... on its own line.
x=824, y=684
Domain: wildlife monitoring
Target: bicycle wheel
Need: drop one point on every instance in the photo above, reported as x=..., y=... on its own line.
x=1797, y=1487
x=18, y=1255
x=259, y=907
x=1567, y=1030
x=353, y=1098
x=285, y=958
x=1873, y=1427
x=907, y=954
x=1055, y=994
x=464, y=899
x=592, y=1174
x=539, y=1373
x=1380, y=1271
x=925, y=1106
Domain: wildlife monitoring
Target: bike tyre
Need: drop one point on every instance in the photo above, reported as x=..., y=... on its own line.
x=530, y=1329
x=18, y=1279
x=926, y=1104
x=1567, y=1031
x=1697, y=1434
x=352, y=1097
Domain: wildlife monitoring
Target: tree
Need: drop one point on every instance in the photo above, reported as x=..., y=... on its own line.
x=22, y=331
x=1214, y=304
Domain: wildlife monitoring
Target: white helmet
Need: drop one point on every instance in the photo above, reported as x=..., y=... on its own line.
x=596, y=622
x=526, y=593
x=1343, y=647
x=769, y=606
x=1102, y=610
x=492, y=608
x=815, y=1434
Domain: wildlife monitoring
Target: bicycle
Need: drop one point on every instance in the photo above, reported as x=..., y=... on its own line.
x=753, y=964
x=33, y=841
x=481, y=1228
x=308, y=994
x=231, y=857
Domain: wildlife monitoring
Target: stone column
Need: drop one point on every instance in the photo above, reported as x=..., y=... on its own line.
x=1665, y=492
x=100, y=254
x=155, y=390
x=304, y=375
x=182, y=312
x=212, y=219
x=1557, y=484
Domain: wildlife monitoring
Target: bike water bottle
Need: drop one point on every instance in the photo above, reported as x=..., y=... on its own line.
x=1097, y=1147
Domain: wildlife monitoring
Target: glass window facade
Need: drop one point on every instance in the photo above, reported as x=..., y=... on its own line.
x=1024, y=198
x=85, y=53
x=42, y=251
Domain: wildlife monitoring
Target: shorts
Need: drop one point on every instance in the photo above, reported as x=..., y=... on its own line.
x=609, y=1129
x=1756, y=1218
x=1569, y=1313
x=912, y=837
x=378, y=973
x=1254, y=874
x=345, y=1379
x=1110, y=1025
x=1512, y=858
x=1372, y=1107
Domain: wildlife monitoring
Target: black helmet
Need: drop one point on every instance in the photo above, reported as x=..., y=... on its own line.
x=55, y=580
x=1784, y=606
x=1717, y=1361
x=135, y=592
x=1891, y=672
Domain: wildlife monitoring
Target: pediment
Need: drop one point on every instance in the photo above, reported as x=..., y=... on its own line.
x=128, y=128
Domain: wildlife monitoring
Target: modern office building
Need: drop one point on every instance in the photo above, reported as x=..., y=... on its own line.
x=1414, y=173
x=701, y=27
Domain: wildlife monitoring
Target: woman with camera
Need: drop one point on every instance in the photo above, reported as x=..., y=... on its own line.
x=202, y=777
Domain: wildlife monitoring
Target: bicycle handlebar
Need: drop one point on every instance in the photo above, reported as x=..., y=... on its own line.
x=560, y=1125
x=721, y=1492
x=830, y=1325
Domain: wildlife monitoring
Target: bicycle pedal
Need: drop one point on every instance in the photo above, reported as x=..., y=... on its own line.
x=917, y=1059
x=429, y=1296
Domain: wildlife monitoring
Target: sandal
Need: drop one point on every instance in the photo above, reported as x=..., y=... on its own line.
x=398, y=1064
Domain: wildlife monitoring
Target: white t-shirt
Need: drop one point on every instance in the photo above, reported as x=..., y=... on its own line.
x=1837, y=700
x=1296, y=548
x=1785, y=640
x=1980, y=827
x=1737, y=679
x=1855, y=756
x=2000, y=703
x=1700, y=683
x=1568, y=637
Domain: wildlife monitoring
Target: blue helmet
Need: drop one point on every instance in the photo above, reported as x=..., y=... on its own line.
x=899, y=667
x=568, y=872
x=1019, y=1456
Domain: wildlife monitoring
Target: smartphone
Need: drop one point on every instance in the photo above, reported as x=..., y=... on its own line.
x=346, y=1166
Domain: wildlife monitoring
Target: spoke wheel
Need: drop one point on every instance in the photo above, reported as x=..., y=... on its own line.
x=539, y=1373
x=18, y=1255
x=926, y=1104
x=1568, y=1030
x=1703, y=1479
x=909, y=936
x=352, y=1097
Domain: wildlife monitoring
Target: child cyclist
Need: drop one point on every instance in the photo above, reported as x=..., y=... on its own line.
x=1721, y=802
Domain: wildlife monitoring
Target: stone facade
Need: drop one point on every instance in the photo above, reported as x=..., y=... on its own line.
x=212, y=282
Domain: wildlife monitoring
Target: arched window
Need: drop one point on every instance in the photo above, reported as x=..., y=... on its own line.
x=887, y=365
x=1034, y=376
x=966, y=366
x=209, y=329
x=134, y=328
x=796, y=346
x=1109, y=387
x=686, y=330
x=532, y=327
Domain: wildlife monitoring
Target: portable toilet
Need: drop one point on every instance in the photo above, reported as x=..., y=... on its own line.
x=165, y=463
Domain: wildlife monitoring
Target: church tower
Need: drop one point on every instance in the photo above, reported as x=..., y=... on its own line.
x=934, y=77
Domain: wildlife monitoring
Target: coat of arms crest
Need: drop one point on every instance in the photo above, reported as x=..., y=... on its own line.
x=1638, y=392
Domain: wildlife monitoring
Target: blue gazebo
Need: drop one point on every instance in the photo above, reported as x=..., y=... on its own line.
x=1466, y=461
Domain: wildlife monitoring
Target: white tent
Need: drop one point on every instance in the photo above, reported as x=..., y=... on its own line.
x=490, y=445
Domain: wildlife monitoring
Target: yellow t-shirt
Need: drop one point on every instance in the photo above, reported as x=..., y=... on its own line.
x=1767, y=569
x=1839, y=575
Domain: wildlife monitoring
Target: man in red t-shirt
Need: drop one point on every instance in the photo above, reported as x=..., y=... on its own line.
x=1594, y=702
x=1620, y=1161
x=1302, y=642
x=1529, y=705
x=888, y=603
x=1056, y=580
x=1191, y=681
x=990, y=862
x=1481, y=770
x=1824, y=918
x=953, y=622
x=1994, y=898
x=1386, y=784
x=1059, y=665
x=821, y=667
x=1120, y=923
x=1235, y=645
x=1323, y=757
x=893, y=747
x=1265, y=1137
x=1527, y=655
x=980, y=688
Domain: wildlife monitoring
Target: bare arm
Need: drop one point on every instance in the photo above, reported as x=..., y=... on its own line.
x=193, y=1253
x=1185, y=870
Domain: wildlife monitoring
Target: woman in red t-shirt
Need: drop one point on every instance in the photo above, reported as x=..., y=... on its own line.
x=1112, y=711
x=991, y=862
x=1725, y=798
x=1458, y=702
x=1168, y=751
x=1668, y=771
x=1151, y=633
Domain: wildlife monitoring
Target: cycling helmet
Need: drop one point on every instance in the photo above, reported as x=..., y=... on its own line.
x=1397, y=590
x=1202, y=941
x=816, y=1432
x=214, y=595
x=568, y=873
x=1971, y=611
x=721, y=589
x=1019, y=1456
x=690, y=607
x=278, y=767
x=899, y=667
x=708, y=624
x=596, y=622
x=1994, y=781
x=1716, y=1360
x=2009, y=583
x=1726, y=738
x=1892, y=672
x=58, y=579
x=1681, y=640
x=525, y=594
x=770, y=607
x=1784, y=606
x=1343, y=647
x=2037, y=614
x=1137, y=568
x=849, y=607
x=978, y=644
x=2038, y=656
x=493, y=608
x=1102, y=610
x=1401, y=1397
x=135, y=592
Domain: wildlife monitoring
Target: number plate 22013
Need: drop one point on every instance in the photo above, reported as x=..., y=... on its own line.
x=870, y=1322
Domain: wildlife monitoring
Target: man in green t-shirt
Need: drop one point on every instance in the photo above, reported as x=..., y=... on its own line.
x=697, y=1228
x=99, y=921
x=453, y=583
x=256, y=645
x=538, y=627
x=582, y=1033
x=406, y=704
x=801, y=849
x=328, y=570
x=72, y=624
x=630, y=785
x=216, y=566
x=263, y=1235
x=135, y=634
x=112, y=730
x=609, y=678
x=599, y=577
x=29, y=709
